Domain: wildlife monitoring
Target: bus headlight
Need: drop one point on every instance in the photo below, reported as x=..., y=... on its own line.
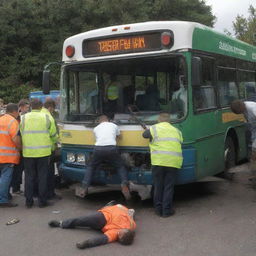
x=80, y=158
x=71, y=157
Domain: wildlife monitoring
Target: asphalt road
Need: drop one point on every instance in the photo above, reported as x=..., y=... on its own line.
x=212, y=219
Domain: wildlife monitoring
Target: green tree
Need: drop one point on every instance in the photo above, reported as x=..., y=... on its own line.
x=32, y=31
x=245, y=28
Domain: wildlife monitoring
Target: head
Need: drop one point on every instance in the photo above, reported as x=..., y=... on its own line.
x=126, y=236
x=50, y=105
x=103, y=118
x=36, y=104
x=1, y=102
x=23, y=106
x=12, y=109
x=164, y=117
x=238, y=107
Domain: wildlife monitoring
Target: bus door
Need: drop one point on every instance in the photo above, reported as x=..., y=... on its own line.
x=206, y=117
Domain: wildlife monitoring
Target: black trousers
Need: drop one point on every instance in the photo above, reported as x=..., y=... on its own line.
x=107, y=154
x=36, y=169
x=17, y=175
x=164, y=180
x=94, y=221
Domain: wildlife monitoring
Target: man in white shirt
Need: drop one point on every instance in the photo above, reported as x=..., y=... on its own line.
x=105, y=150
x=248, y=108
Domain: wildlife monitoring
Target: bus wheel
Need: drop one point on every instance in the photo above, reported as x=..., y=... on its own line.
x=229, y=156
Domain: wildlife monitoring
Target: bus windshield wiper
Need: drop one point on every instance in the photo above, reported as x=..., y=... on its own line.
x=136, y=118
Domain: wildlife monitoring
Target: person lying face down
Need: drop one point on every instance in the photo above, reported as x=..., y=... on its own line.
x=115, y=221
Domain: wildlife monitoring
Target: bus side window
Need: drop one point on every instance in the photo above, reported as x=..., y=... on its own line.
x=228, y=90
x=247, y=85
x=204, y=95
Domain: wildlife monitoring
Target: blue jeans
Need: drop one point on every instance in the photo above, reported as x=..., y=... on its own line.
x=6, y=171
x=164, y=180
x=107, y=154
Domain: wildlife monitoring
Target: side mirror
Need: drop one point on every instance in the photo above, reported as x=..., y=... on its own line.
x=196, y=75
x=46, y=81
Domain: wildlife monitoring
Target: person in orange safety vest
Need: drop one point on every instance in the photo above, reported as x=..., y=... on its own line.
x=10, y=144
x=114, y=220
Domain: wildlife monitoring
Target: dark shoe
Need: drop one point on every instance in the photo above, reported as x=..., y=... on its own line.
x=9, y=204
x=29, y=205
x=83, y=245
x=126, y=192
x=169, y=214
x=54, y=223
x=43, y=205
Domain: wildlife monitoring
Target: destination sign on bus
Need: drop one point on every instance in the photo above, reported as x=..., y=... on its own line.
x=122, y=44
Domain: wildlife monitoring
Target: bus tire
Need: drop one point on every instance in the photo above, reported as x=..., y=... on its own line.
x=229, y=156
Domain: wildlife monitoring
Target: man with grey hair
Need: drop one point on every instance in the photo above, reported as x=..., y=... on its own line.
x=166, y=159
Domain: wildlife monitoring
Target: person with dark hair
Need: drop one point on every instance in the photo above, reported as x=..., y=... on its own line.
x=48, y=109
x=115, y=221
x=166, y=159
x=23, y=106
x=10, y=144
x=248, y=109
x=37, y=136
x=105, y=150
x=18, y=169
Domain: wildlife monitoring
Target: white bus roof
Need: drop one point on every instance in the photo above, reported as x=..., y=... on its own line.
x=184, y=38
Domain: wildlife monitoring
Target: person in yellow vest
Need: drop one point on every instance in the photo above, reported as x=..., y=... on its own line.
x=166, y=160
x=112, y=95
x=10, y=145
x=37, y=138
x=49, y=108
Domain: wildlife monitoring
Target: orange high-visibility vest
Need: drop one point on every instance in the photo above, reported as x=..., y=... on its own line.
x=9, y=128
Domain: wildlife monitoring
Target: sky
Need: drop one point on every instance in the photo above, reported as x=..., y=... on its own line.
x=227, y=10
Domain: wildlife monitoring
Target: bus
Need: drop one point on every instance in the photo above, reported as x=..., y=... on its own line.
x=185, y=68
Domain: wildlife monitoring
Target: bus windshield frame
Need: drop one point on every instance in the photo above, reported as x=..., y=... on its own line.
x=146, y=86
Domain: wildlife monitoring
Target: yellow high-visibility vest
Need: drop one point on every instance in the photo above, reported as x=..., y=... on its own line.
x=112, y=92
x=165, y=147
x=36, y=132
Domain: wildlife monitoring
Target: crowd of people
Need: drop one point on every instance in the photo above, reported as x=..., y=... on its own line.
x=28, y=137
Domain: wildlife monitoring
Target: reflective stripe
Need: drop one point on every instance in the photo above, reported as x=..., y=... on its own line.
x=9, y=154
x=167, y=153
x=156, y=138
x=37, y=147
x=43, y=131
x=167, y=139
x=3, y=132
x=9, y=148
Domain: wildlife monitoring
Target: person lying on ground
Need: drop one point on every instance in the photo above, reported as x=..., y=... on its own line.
x=115, y=221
